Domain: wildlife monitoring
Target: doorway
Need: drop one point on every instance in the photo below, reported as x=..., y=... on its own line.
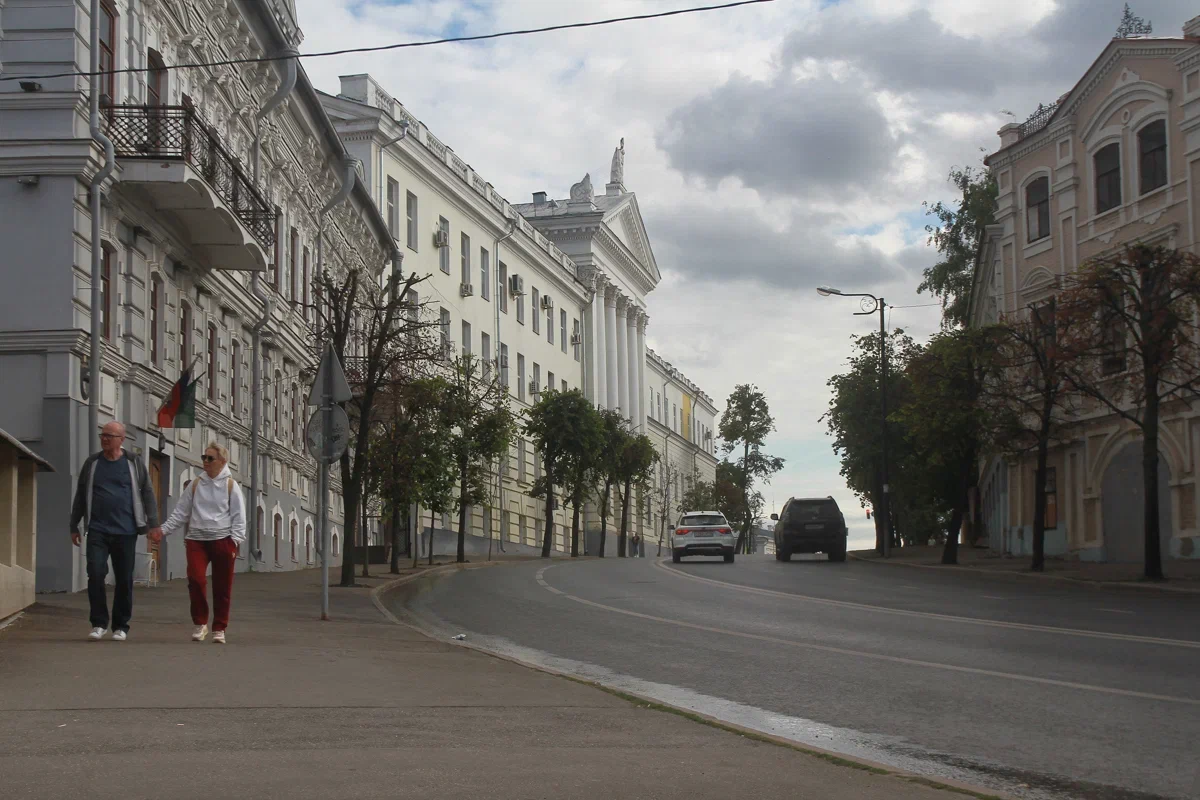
x=160, y=479
x=1123, y=506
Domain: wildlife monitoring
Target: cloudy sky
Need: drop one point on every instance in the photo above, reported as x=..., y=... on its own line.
x=772, y=147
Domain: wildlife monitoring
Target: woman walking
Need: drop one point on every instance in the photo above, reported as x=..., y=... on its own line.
x=212, y=513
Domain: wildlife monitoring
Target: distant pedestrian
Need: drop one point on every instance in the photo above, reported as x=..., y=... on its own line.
x=634, y=543
x=212, y=513
x=114, y=504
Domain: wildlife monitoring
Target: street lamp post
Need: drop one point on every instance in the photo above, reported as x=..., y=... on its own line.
x=869, y=304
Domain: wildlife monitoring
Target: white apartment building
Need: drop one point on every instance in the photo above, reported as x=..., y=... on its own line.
x=188, y=216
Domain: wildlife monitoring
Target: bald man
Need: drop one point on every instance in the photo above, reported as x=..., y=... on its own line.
x=114, y=504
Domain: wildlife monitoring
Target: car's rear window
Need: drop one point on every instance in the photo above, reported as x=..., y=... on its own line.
x=816, y=509
x=699, y=520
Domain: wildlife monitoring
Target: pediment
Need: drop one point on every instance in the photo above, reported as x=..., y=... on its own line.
x=624, y=220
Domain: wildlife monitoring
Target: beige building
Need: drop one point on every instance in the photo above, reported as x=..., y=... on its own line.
x=1114, y=160
x=19, y=467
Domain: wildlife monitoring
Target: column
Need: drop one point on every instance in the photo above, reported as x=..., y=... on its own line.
x=599, y=392
x=610, y=345
x=641, y=368
x=635, y=386
x=622, y=311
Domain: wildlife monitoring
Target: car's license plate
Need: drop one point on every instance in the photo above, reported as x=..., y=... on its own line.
x=814, y=526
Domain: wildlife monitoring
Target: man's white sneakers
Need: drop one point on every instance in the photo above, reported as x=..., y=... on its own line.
x=218, y=637
x=97, y=634
x=200, y=632
x=120, y=636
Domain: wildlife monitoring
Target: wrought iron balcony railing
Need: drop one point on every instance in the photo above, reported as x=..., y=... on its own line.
x=177, y=133
x=1038, y=120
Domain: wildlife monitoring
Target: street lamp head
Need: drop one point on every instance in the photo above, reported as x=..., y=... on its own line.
x=825, y=291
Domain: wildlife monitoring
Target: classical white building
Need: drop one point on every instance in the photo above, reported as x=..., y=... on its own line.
x=188, y=216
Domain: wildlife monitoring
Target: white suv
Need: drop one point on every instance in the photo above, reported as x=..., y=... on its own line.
x=702, y=533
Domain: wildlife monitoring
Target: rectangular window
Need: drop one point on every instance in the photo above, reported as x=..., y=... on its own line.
x=411, y=211
x=564, y=386
x=444, y=249
x=393, y=207
x=235, y=378
x=1051, y=498
x=504, y=366
x=1112, y=328
x=466, y=258
x=185, y=335
x=485, y=353
x=1042, y=317
x=1152, y=156
x=575, y=330
x=521, y=309
x=522, y=473
x=1037, y=209
x=1108, y=177
x=108, y=49
x=536, y=384
x=550, y=324
x=307, y=279
x=534, y=299
x=106, y=282
x=293, y=256
x=212, y=362
x=502, y=286
x=466, y=337
x=156, y=292
x=485, y=275
x=562, y=328
x=520, y=377
x=549, y=380
x=444, y=320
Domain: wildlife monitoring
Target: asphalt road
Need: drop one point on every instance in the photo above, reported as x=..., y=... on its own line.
x=1037, y=689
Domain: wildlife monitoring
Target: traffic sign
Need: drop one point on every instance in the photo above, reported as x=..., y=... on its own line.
x=326, y=452
x=330, y=378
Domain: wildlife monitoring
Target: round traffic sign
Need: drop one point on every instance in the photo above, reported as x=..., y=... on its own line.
x=329, y=451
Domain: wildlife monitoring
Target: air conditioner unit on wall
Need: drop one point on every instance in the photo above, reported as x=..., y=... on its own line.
x=534, y=389
x=516, y=284
x=547, y=303
x=576, y=338
x=441, y=238
x=466, y=289
x=504, y=362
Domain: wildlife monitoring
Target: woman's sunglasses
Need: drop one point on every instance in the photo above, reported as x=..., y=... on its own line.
x=207, y=458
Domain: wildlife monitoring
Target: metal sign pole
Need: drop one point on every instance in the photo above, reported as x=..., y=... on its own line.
x=327, y=448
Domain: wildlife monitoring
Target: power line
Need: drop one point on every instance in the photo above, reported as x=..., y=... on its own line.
x=397, y=45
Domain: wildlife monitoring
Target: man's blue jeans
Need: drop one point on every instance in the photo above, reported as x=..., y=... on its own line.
x=122, y=548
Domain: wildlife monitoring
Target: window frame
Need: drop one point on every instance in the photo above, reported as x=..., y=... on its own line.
x=185, y=334
x=293, y=256
x=154, y=319
x=534, y=299
x=107, y=254
x=1041, y=208
x=212, y=348
x=412, y=211
x=1143, y=152
x=485, y=274
x=1051, y=490
x=392, y=207
x=108, y=50
x=562, y=329
x=465, y=258
x=156, y=78
x=521, y=377
x=1111, y=176
x=502, y=285
x=235, y=377
x=444, y=252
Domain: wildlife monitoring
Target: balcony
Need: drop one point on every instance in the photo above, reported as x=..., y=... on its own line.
x=181, y=164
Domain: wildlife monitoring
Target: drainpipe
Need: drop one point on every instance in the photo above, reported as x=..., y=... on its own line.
x=512, y=228
x=285, y=88
x=98, y=179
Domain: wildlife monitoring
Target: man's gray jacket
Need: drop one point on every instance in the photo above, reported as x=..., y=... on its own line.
x=145, y=504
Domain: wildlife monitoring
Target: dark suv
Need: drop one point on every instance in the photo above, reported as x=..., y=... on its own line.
x=810, y=525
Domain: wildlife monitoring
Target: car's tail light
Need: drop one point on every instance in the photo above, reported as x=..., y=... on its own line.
x=725, y=530
x=682, y=531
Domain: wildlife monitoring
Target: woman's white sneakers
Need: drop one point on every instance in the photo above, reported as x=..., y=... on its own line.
x=218, y=637
x=200, y=632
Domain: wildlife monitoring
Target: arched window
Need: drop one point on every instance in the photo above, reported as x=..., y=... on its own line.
x=278, y=534
x=154, y=320
x=235, y=379
x=292, y=538
x=308, y=544
x=107, y=259
x=1037, y=208
x=1152, y=156
x=185, y=334
x=297, y=423
x=1107, y=162
x=156, y=79
x=278, y=399
x=108, y=50
x=336, y=549
x=259, y=523
x=212, y=362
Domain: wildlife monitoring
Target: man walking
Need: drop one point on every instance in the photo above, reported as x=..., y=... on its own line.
x=115, y=503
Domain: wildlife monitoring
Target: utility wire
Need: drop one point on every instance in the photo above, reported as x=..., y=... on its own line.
x=397, y=45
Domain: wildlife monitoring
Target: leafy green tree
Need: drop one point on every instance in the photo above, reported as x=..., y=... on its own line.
x=699, y=495
x=613, y=434
x=481, y=428
x=634, y=465
x=560, y=424
x=854, y=422
x=584, y=444
x=956, y=236
x=746, y=423
x=1130, y=341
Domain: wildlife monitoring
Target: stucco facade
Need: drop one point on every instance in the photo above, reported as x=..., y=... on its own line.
x=1115, y=160
x=186, y=220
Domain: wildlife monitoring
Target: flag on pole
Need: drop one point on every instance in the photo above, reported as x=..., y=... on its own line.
x=179, y=409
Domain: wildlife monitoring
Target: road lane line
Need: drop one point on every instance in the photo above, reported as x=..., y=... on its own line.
x=1115, y=610
x=990, y=623
x=992, y=597
x=913, y=662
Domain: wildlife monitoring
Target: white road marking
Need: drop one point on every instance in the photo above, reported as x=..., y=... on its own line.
x=1115, y=610
x=855, y=580
x=874, y=656
x=990, y=623
x=992, y=597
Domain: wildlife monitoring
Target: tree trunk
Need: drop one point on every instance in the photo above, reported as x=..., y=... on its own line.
x=743, y=544
x=350, y=487
x=575, y=530
x=1151, y=521
x=461, y=555
x=1039, y=493
x=621, y=539
x=604, y=515
x=549, y=533
x=394, y=556
x=416, y=539
x=950, y=553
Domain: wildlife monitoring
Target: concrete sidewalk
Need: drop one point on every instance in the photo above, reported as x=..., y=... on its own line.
x=356, y=707
x=1182, y=575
